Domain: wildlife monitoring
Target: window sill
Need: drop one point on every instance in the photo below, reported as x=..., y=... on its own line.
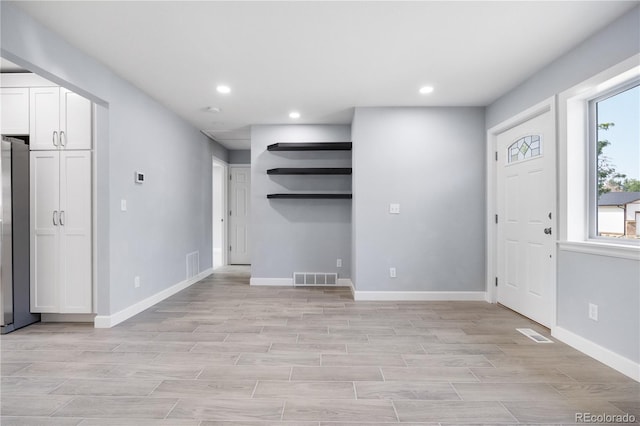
x=620, y=251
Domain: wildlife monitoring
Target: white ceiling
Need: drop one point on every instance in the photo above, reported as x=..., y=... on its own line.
x=320, y=58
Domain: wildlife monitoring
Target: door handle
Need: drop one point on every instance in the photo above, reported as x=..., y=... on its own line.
x=55, y=218
x=62, y=217
x=547, y=231
x=63, y=138
x=55, y=138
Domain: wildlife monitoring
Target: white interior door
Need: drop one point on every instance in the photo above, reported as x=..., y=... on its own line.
x=239, y=216
x=526, y=210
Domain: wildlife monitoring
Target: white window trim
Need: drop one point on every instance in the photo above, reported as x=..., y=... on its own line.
x=573, y=162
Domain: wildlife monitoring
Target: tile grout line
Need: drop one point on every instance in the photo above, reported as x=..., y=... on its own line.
x=166, y=416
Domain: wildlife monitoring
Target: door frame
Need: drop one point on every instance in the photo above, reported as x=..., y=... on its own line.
x=216, y=162
x=548, y=105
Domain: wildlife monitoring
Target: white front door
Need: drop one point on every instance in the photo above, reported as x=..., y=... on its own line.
x=239, y=216
x=526, y=210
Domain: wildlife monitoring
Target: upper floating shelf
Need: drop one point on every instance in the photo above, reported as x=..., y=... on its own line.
x=310, y=146
x=310, y=171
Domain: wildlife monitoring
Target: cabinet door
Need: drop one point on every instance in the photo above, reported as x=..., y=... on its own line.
x=44, y=117
x=14, y=104
x=45, y=230
x=75, y=232
x=75, y=120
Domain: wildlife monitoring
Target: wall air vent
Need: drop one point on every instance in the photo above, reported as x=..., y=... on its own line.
x=314, y=278
x=193, y=264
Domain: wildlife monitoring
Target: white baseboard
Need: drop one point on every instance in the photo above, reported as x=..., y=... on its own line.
x=418, y=295
x=602, y=354
x=67, y=317
x=345, y=282
x=288, y=282
x=108, y=321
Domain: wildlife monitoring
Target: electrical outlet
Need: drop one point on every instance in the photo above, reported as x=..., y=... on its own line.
x=339, y=263
x=394, y=208
x=392, y=272
x=593, y=312
x=136, y=282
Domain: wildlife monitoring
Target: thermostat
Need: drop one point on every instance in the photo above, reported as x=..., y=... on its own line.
x=139, y=177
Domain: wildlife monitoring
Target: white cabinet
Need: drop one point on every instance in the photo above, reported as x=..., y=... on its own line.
x=14, y=111
x=61, y=249
x=59, y=119
x=75, y=120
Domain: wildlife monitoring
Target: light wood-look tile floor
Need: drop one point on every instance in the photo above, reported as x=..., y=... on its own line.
x=224, y=353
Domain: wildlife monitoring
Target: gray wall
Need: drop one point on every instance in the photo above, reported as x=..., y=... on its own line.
x=431, y=162
x=290, y=236
x=219, y=151
x=240, y=156
x=169, y=215
x=611, y=283
x=612, y=45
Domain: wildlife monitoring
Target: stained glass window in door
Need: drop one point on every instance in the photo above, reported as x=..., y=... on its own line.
x=526, y=147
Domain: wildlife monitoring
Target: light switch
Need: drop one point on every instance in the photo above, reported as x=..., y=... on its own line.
x=394, y=208
x=123, y=205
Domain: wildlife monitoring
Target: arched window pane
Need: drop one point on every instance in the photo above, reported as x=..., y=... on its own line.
x=526, y=147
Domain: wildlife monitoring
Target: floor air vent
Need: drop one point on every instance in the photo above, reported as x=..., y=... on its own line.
x=534, y=335
x=314, y=278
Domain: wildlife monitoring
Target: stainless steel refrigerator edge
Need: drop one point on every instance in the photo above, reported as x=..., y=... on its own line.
x=14, y=245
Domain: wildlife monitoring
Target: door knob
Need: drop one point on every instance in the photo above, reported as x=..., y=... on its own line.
x=547, y=231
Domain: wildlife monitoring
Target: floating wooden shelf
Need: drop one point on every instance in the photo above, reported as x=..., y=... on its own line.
x=310, y=171
x=310, y=146
x=314, y=196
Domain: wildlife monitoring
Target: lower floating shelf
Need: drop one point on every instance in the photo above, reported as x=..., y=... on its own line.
x=311, y=196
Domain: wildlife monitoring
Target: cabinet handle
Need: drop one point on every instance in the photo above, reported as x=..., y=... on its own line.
x=63, y=138
x=55, y=218
x=62, y=217
x=55, y=138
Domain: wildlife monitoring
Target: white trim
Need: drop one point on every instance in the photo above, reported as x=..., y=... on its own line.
x=225, y=200
x=617, y=362
x=239, y=164
x=94, y=207
x=548, y=105
x=359, y=295
x=573, y=150
x=601, y=249
x=67, y=317
x=108, y=321
x=288, y=282
x=24, y=79
x=344, y=282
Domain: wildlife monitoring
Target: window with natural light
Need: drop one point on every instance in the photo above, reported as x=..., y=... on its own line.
x=615, y=180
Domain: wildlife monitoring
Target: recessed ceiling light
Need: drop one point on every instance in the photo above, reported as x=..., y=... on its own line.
x=294, y=114
x=223, y=89
x=424, y=90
